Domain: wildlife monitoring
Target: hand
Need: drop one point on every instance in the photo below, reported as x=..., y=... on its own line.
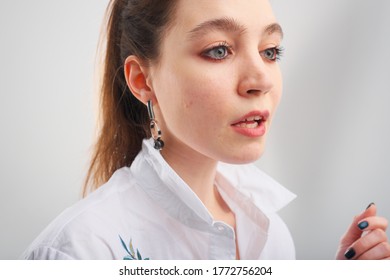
x=366, y=238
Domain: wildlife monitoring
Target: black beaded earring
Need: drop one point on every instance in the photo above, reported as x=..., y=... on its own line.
x=154, y=129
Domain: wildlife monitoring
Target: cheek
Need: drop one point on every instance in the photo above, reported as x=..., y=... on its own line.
x=197, y=108
x=196, y=93
x=278, y=88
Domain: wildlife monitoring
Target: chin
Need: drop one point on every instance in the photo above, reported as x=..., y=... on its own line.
x=245, y=155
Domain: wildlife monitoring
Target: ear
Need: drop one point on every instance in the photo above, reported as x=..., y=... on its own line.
x=136, y=77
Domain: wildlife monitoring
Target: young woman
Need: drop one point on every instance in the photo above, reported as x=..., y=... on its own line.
x=188, y=95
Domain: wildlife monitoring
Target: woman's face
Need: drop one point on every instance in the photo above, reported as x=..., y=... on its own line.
x=218, y=82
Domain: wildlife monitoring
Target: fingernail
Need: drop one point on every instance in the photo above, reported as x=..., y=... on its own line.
x=363, y=225
x=369, y=205
x=350, y=253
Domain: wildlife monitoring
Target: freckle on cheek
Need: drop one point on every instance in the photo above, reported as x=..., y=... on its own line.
x=188, y=104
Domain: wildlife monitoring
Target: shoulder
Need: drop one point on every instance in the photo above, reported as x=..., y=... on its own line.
x=88, y=229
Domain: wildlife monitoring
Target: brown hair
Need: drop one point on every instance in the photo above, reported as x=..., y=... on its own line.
x=133, y=27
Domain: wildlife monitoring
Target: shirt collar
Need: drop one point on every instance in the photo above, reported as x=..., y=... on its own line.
x=166, y=187
x=267, y=194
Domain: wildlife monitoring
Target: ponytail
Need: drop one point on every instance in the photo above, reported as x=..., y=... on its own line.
x=133, y=27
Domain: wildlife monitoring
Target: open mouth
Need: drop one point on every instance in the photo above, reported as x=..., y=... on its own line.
x=250, y=122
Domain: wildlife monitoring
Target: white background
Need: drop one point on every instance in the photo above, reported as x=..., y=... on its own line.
x=329, y=141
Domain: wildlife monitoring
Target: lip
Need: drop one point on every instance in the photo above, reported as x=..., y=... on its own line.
x=255, y=131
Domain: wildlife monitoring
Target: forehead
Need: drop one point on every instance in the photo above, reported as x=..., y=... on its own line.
x=253, y=15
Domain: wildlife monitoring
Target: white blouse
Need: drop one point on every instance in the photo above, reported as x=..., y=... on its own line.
x=147, y=211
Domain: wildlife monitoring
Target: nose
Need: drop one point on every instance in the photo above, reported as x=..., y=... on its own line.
x=255, y=77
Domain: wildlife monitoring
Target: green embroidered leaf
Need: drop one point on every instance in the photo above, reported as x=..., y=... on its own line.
x=124, y=245
x=131, y=253
x=131, y=248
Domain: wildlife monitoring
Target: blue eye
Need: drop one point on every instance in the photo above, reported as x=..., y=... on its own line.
x=218, y=52
x=272, y=54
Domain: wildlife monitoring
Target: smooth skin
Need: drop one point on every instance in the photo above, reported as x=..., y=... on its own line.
x=218, y=62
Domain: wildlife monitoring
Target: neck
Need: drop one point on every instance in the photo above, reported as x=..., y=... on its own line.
x=199, y=171
x=195, y=169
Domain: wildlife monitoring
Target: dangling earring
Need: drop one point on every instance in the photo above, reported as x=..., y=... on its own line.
x=154, y=129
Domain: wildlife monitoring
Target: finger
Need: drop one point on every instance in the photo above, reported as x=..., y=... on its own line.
x=354, y=233
x=371, y=223
x=379, y=252
x=365, y=243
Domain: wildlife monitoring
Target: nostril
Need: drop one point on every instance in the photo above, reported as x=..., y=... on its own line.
x=253, y=91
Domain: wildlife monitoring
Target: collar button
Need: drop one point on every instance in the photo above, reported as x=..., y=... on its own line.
x=221, y=228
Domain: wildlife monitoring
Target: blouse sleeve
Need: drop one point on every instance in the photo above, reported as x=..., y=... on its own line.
x=47, y=253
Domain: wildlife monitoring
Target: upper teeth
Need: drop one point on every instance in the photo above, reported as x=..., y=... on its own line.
x=254, y=118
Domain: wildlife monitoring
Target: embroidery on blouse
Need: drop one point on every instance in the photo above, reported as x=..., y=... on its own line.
x=131, y=253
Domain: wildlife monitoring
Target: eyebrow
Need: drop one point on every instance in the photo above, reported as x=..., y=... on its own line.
x=229, y=25
x=274, y=28
x=221, y=24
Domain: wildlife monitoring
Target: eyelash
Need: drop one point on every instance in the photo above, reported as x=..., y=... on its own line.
x=224, y=45
x=278, y=53
x=228, y=51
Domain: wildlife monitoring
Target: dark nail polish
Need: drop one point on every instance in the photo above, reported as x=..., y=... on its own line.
x=350, y=253
x=369, y=205
x=363, y=225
